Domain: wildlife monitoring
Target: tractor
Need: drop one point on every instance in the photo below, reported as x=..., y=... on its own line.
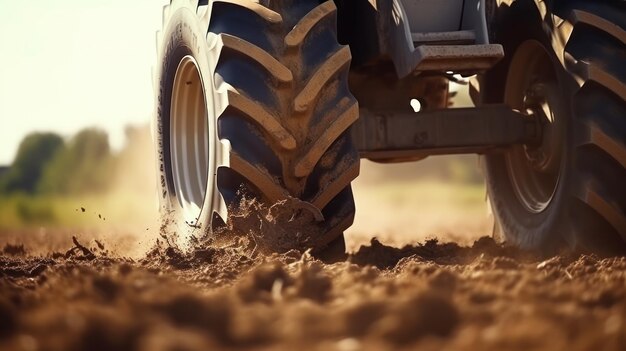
x=278, y=100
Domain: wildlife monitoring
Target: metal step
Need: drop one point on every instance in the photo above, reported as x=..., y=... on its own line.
x=456, y=58
x=461, y=37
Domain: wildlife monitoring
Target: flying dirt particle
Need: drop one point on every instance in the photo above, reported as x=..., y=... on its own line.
x=99, y=216
x=86, y=253
x=82, y=209
x=100, y=245
x=195, y=224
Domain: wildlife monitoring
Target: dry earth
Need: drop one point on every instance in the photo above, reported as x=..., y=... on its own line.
x=429, y=296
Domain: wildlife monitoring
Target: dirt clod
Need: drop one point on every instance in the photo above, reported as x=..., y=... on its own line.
x=14, y=250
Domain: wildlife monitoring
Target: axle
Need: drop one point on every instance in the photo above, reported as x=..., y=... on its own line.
x=401, y=135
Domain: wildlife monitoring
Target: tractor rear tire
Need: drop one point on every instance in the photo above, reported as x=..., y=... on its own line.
x=571, y=191
x=261, y=111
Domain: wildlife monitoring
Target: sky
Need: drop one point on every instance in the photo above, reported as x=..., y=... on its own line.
x=70, y=64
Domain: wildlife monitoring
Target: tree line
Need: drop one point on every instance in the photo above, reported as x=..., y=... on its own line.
x=46, y=163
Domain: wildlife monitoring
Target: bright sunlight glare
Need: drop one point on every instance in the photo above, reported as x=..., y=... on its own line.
x=69, y=64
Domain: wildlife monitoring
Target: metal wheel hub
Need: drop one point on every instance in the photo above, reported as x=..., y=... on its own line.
x=189, y=139
x=534, y=170
x=544, y=157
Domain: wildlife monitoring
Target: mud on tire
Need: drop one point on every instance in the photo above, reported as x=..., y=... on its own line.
x=274, y=80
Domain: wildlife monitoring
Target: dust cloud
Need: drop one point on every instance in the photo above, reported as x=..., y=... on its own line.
x=409, y=203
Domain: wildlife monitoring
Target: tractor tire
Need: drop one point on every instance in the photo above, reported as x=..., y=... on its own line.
x=253, y=103
x=568, y=192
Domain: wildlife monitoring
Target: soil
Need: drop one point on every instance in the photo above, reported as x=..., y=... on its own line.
x=428, y=296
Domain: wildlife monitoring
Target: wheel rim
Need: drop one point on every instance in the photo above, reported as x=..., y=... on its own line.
x=534, y=170
x=189, y=139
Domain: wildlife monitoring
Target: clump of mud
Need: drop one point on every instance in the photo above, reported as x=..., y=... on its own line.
x=383, y=256
x=223, y=295
x=289, y=224
x=253, y=228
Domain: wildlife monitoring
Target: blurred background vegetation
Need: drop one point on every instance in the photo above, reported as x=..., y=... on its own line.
x=52, y=179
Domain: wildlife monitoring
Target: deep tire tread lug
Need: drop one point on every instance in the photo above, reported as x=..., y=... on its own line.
x=300, y=31
x=260, y=116
x=262, y=180
x=305, y=164
x=255, y=53
x=262, y=11
x=606, y=210
x=335, y=186
x=325, y=72
x=587, y=18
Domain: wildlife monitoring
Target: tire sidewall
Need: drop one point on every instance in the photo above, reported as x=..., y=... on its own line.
x=182, y=35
